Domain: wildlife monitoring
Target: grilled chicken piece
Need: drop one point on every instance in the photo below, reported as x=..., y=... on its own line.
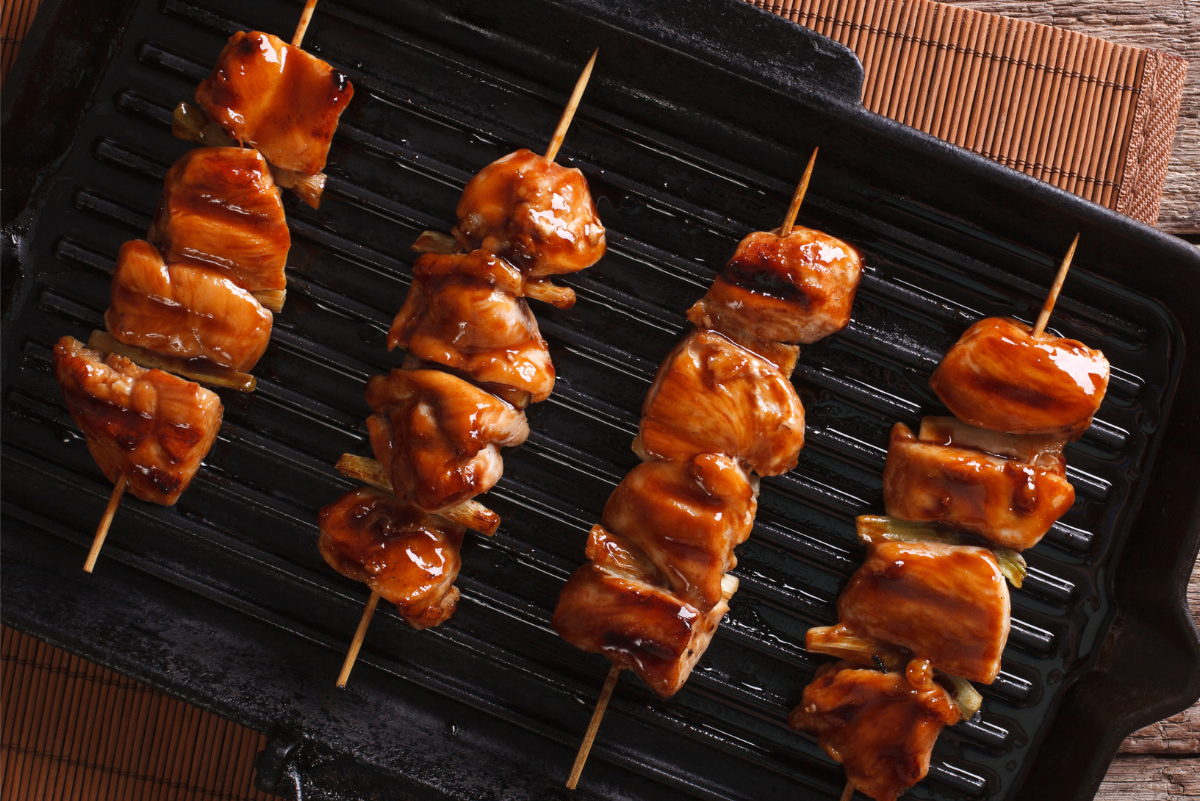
x=464, y=311
x=184, y=311
x=713, y=396
x=945, y=603
x=1003, y=498
x=537, y=214
x=797, y=288
x=147, y=425
x=621, y=606
x=407, y=556
x=880, y=726
x=278, y=98
x=220, y=209
x=998, y=376
x=686, y=517
x=439, y=437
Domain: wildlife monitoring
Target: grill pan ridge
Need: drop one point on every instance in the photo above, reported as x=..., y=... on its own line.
x=697, y=121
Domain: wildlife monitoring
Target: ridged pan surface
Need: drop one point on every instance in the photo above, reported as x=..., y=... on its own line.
x=224, y=598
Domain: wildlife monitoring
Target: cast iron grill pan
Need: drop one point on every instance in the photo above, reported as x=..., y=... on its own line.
x=687, y=147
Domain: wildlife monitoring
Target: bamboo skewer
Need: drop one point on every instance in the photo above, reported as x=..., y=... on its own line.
x=102, y=530
x=1048, y=306
x=848, y=793
x=470, y=514
x=801, y=189
x=560, y=133
x=272, y=299
x=729, y=584
x=302, y=26
x=610, y=682
x=359, y=634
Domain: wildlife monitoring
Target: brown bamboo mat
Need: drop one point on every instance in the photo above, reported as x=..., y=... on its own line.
x=15, y=19
x=75, y=731
x=1089, y=116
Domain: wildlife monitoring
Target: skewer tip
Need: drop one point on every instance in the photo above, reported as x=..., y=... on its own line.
x=302, y=26
x=105, y=521
x=1052, y=297
x=359, y=634
x=610, y=682
x=848, y=792
x=568, y=114
x=801, y=189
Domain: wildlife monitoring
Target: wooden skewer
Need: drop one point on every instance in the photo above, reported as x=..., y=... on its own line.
x=560, y=133
x=1048, y=306
x=848, y=793
x=102, y=530
x=585, y=747
x=357, y=642
x=798, y=198
x=302, y=26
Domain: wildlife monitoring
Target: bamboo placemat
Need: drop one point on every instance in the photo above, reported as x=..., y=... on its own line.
x=1089, y=116
x=77, y=732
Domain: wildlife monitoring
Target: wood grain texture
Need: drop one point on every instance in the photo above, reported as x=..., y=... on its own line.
x=1133, y=778
x=1169, y=25
x=1161, y=761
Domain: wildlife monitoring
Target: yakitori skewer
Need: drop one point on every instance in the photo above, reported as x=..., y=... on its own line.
x=997, y=473
x=421, y=329
x=665, y=544
x=235, y=304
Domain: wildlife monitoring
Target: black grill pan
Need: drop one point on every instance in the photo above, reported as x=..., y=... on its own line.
x=697, y=122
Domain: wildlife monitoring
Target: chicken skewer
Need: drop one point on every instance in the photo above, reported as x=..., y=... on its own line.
x=720, y=413
x=465, y=317
x=208, y=292
x=1004, y=483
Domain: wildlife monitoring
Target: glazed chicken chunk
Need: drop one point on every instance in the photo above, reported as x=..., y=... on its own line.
x=146, y=425
x=464, y=311
x=686, y=517
x=438, y=436
x=797, y=288
x=220, y=209
x=942, y=602
x=999, y=376
x=407, y=556
x=713, y=396
x=620, y=605
x=278, y=98
x=533, y=212
x=880, y=726
x=184, y=311
x=1010, y=496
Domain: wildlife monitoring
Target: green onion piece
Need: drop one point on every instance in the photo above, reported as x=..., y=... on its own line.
x=966, y=697
x=838, y=641
x=191, y=124
x=875, y=528
x=436, y=242
x=1012, y=565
